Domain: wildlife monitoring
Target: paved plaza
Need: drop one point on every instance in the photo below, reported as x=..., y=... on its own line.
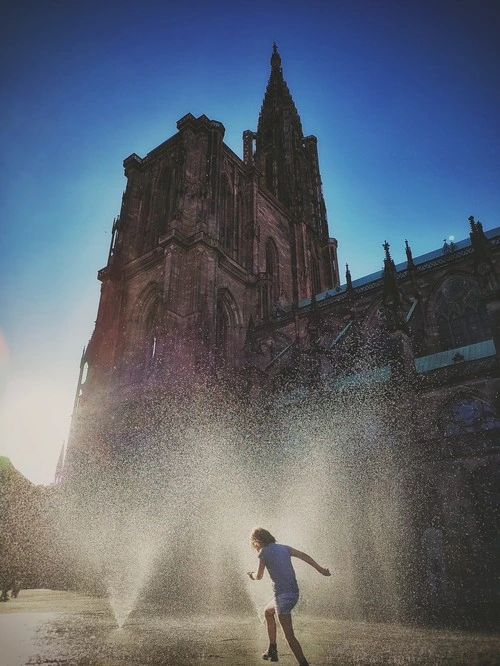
x=69, y=629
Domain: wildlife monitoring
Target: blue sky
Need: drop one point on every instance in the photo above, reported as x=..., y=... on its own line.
x=403, y=96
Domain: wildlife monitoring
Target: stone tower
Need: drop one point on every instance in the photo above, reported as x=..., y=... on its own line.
x=290, y=167
x=206, y=246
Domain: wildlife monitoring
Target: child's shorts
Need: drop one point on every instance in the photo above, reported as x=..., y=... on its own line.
x=285, y=602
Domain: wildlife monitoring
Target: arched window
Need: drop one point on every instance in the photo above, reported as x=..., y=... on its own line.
x=222, y=334
x=145, y=222
x=150, y=340
x=315, y=277
x=460, y=315
x=271, y=258
x=226, y=218
x=238, y=226
x=270, y=288
x=84, y=369
x=164, y=204
x=227, y=320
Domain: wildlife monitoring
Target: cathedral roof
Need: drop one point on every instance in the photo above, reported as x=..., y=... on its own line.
x=473, y=352
x=426, y=261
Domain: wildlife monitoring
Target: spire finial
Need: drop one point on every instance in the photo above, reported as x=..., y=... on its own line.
x=275, y=58
x=409, y=255
x=386, y=247
x=348, y=277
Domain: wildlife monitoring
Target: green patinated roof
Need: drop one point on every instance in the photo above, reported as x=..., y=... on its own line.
x=365, y=378
x=380, y=374
x=442, y=359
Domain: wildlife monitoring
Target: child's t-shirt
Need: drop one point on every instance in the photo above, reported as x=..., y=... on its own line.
x=278, y=562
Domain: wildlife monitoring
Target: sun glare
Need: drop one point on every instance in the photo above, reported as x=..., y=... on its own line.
x=34, y=422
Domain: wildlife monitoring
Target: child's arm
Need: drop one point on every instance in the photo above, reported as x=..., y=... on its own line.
x=260, y=572
x=309, y=560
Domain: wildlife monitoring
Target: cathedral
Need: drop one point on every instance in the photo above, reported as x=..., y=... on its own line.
x=221, y=272
x=207, y=246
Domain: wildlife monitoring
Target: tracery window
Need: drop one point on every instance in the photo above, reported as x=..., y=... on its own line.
x=145, y=220
x=226, y=221
x=468, y=415
x=315, y=277
x=461, y=317
x=227, y=318
x=222, y=334
x=164, y=204
x=271, y=258
x=149, y=354
x=269, y=289
x=238, y=226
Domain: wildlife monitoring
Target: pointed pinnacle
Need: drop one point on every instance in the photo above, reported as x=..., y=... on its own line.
x=348, y=276
x=275, y=58
x=386, y=247
x=409, y=255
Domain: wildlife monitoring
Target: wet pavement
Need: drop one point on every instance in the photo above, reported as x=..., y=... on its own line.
x=69, y=629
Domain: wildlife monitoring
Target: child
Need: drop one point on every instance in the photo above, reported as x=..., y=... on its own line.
x=278, y=560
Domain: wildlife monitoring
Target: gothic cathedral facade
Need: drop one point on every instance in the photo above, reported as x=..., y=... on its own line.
x=207, y=245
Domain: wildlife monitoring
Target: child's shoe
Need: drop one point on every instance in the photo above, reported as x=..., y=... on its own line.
x=271, y=654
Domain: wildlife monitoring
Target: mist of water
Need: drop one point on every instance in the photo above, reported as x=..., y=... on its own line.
x=165, y=519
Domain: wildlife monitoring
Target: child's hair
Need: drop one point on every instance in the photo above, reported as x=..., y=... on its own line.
x=261, y=538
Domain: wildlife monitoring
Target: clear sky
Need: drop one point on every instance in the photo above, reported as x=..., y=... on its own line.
x=403, y=96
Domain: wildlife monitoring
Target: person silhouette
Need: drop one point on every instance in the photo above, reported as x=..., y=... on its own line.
x=277, y=559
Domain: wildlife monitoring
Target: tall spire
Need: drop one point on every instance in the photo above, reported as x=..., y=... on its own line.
x=279, y=125
x=277, y=98
x=288, y=160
